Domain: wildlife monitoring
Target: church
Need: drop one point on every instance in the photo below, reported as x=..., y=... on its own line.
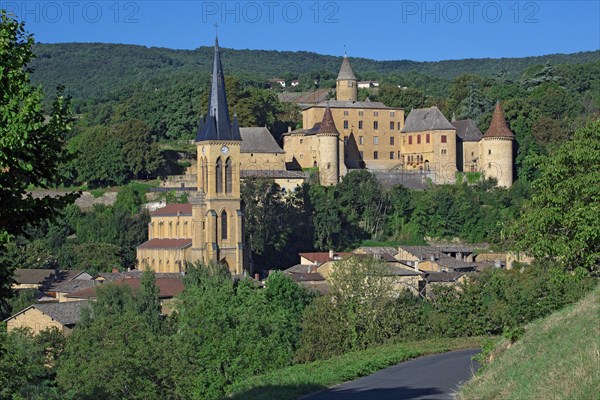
x=211, y=227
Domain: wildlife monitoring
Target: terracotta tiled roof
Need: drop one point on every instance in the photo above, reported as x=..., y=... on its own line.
x=498, y=127
x=327, y=124
x=166, y=244
x=168, y=287
x=173, y=209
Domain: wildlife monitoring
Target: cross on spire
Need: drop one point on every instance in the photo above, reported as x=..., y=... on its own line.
x=216, y=29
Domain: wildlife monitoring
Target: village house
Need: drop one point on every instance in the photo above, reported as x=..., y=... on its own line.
x=42, y=316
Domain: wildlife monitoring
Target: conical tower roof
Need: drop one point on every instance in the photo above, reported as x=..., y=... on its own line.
x=346, y=73
x=498, y=127
x=327, y=125
x=217, y=125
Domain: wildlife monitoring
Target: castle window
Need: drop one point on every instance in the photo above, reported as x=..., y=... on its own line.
x=444, y=139
x=490, y=151
x=399, y=156
x=360, y=113
x=392, y=113
x=346, y=113
x=219, y=176
x=443, y=151
x=472, y=154
x=489, y=165
x=427, y=138
x=391, y=125
x=375, y=139
x=391, y=140
x=375, y=113
x=375, y=155
x=228, y=174
x=301, y=141
x=224, y=225
x=418, y=139
x=410, y=140
x=398, y=125
x=375, y=125
x=391, y=155
x=301, y=155
x=361, y=140
x=350, y=83
x=345, y=124
x=360, y=124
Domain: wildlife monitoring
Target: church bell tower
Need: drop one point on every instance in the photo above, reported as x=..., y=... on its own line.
x=216, y=206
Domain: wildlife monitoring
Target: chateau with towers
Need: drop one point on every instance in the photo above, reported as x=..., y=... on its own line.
x=337, y=136
x=344, y=134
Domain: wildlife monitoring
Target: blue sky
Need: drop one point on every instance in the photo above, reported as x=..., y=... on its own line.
x=381, y=30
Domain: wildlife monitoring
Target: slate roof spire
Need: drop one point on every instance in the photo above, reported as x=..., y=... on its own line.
x=217, y=125
x=498, y=127
x=346, y=73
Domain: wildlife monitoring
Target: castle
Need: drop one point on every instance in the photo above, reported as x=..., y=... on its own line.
x=337, y=136
x=344, y=134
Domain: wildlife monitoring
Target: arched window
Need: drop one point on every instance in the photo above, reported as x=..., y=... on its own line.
x=224, y=225
x=204, y=172
x=219, y=176
x=228, y=176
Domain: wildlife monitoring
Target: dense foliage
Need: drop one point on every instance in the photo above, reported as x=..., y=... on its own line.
x=31, y=143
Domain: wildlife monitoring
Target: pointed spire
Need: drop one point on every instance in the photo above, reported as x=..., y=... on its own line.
x=327, y=124
x=498, y=127
x=217, y=125
x=346, y=73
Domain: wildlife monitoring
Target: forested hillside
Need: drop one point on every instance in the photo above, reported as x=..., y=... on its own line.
x=90, y=70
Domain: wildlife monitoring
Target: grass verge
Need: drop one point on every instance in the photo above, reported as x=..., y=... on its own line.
x=558, y=357
x=302, y=379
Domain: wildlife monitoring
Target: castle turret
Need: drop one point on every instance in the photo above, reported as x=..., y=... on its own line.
x=497, y=150
x=346, y=85
x=328, y=136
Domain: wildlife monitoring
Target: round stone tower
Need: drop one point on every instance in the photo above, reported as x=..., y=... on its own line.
x=328, y=137
x=497, y=150
x=346, y=87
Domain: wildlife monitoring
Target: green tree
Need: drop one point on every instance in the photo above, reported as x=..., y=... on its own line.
x=148, y=303
x=100, y=160
x=141, y=154
x=266, y=230
x=31, y=143
x=560, y=222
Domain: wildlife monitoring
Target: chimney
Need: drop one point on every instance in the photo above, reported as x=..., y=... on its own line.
x=330, y=254
x=432, y=258
x=115, y=271
x=417, y=266
x=289, y=128
x=257, y=277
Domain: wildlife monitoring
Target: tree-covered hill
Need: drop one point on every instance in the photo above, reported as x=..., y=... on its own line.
x=91, y=70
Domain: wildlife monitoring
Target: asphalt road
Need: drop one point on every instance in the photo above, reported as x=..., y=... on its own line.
x=433, y=377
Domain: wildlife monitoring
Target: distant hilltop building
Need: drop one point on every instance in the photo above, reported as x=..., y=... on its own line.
x=344, y=134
